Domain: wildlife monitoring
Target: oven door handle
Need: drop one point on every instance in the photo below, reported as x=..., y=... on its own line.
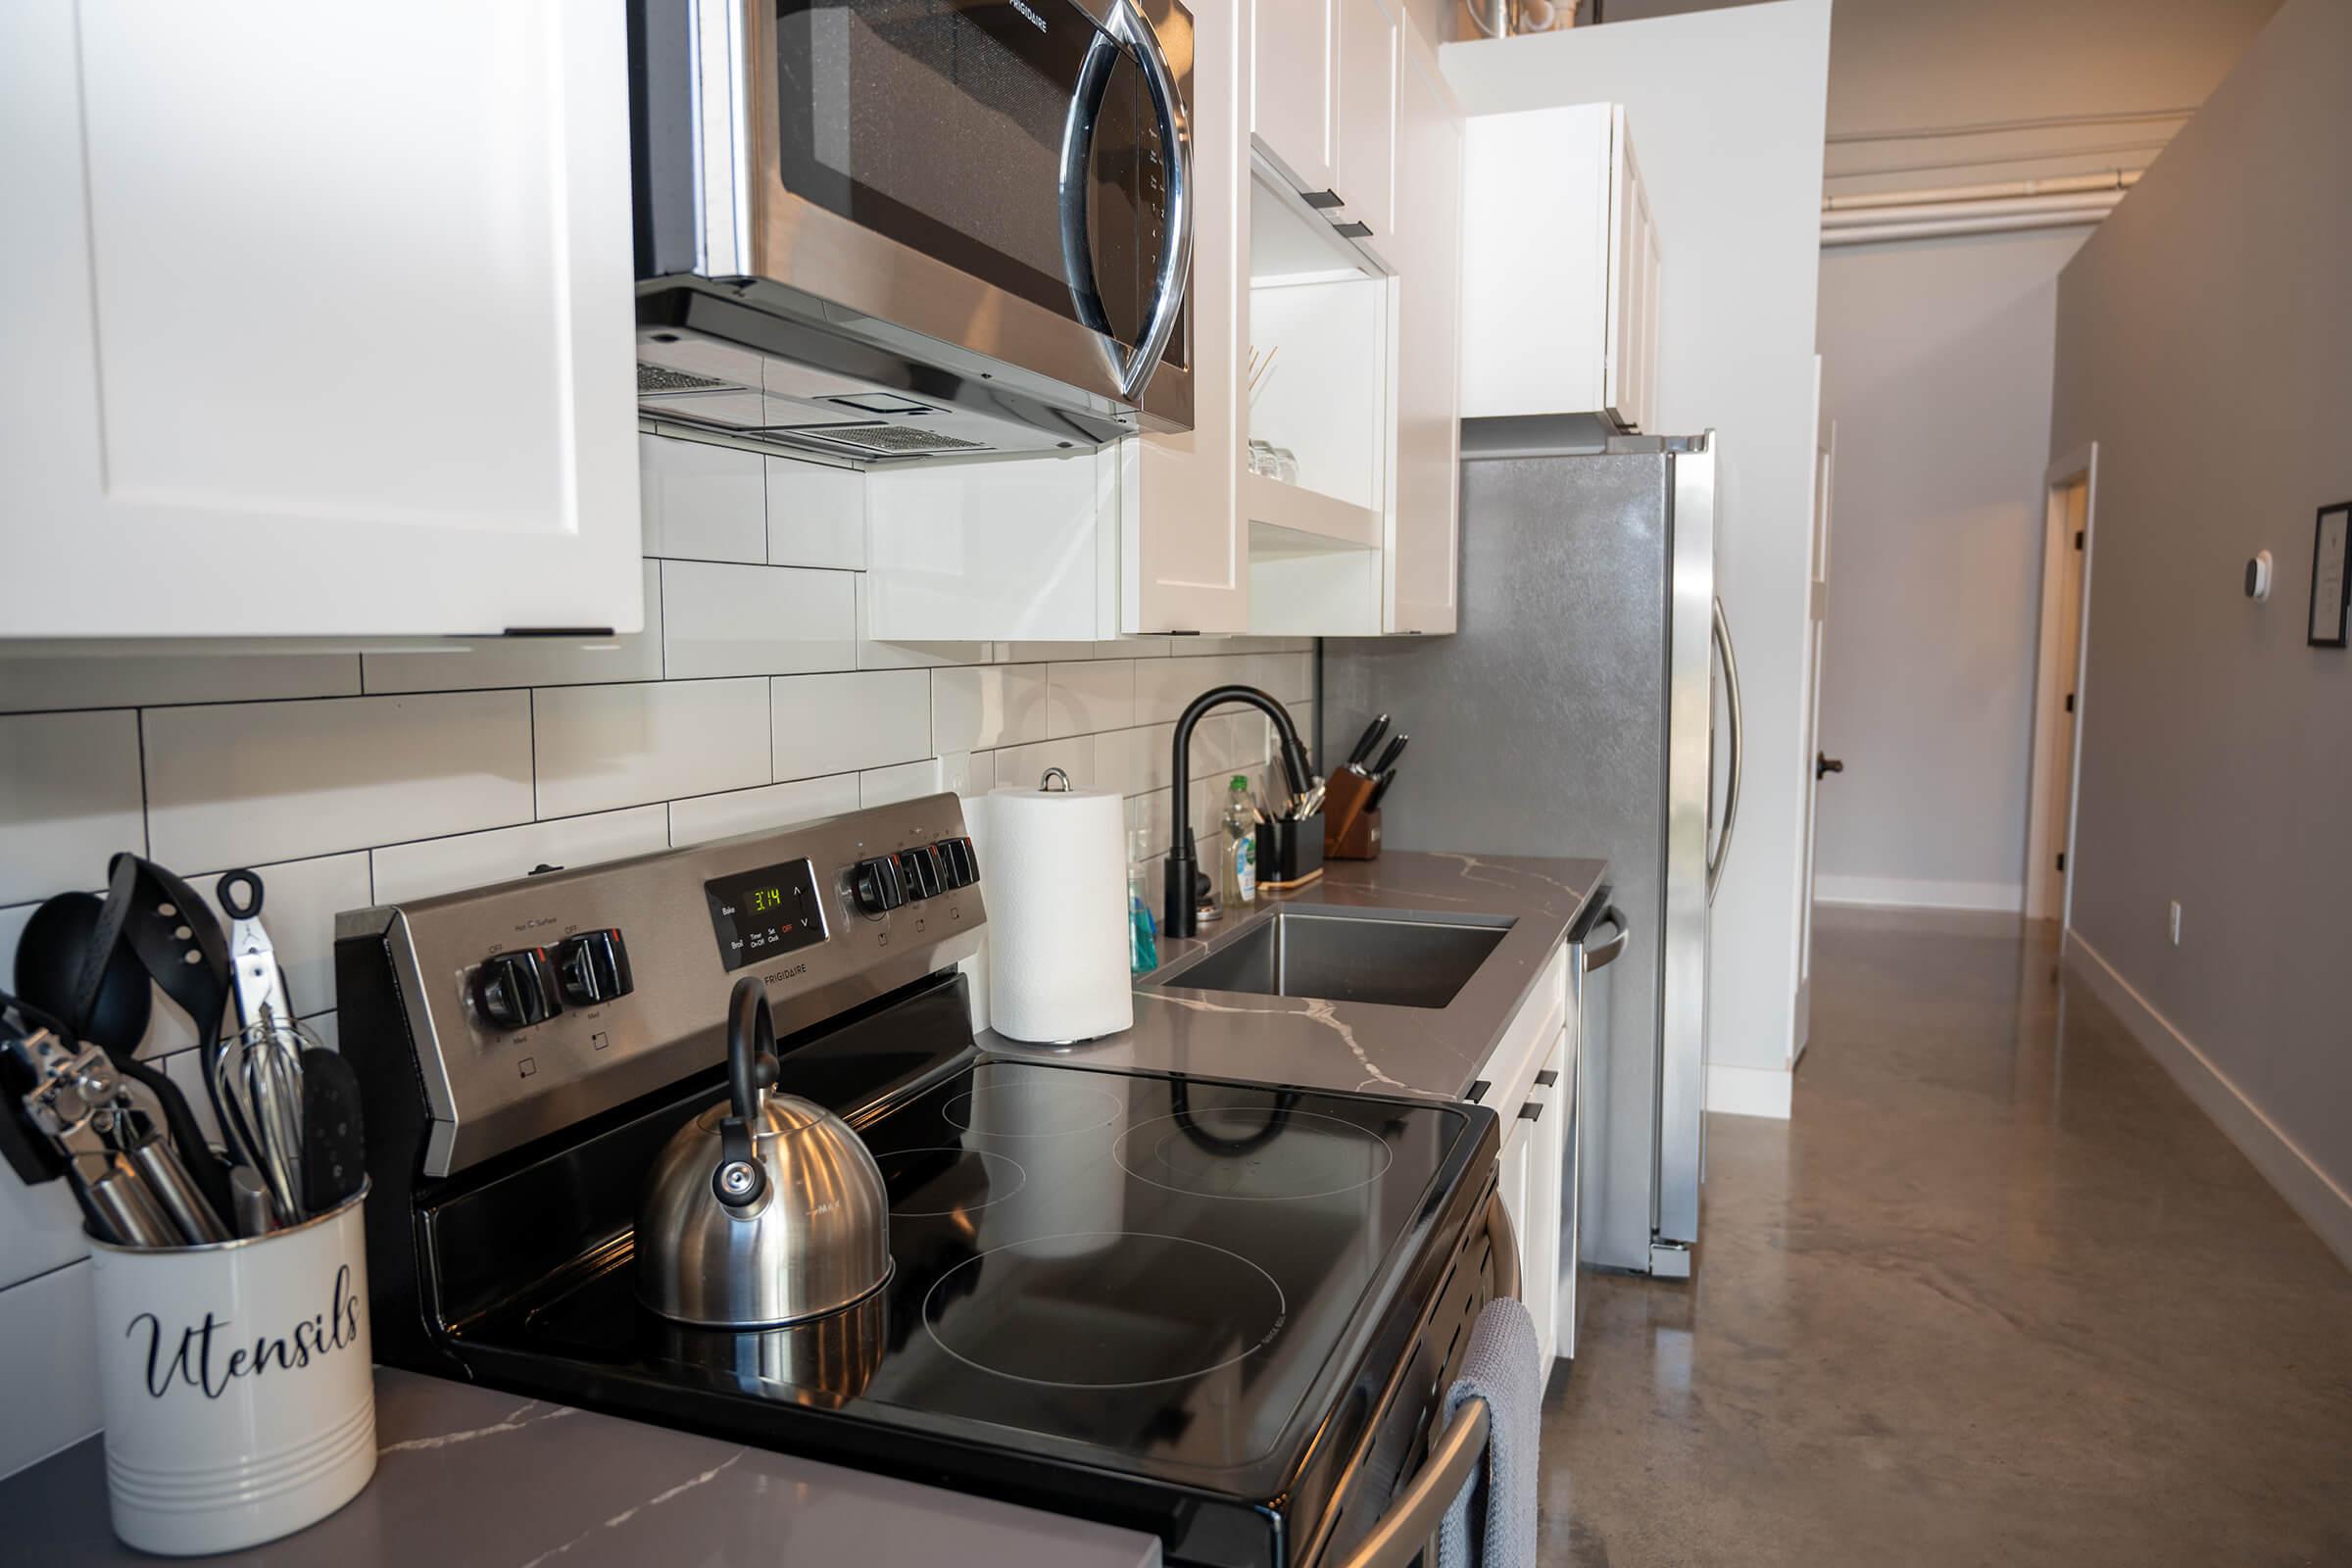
x=1174, y=274
x=1403, y=1532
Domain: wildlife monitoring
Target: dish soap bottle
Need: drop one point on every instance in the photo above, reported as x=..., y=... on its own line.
x=1238, y=865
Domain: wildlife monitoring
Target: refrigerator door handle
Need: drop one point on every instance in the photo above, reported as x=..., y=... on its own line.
x=1601, y=954
x=1731, y=792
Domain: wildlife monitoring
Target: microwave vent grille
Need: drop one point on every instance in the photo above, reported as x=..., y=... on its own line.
x=657, y=378
x=897, y=438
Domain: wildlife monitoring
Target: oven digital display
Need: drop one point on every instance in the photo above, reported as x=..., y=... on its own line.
x=762, y=914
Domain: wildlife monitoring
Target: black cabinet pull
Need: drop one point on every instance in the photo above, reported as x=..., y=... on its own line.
x=1478, y=1091
x=1533, y=1110
x=1547, y=1078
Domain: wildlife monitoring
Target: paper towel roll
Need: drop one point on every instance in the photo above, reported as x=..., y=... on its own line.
x=1057, y=887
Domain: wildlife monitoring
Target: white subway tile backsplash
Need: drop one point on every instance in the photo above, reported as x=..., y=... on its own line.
x=815, y=516
x=41, y=1229
x=984, y=707
x=1163, y=687
x=48, y=1366
x=724, y=620
x=837, y=723
x=154, y=680
x=473, y=664
x=1083, y=699
x=68, y=800
x=475, y=860
x=909, y=781
x=701, y=503
x=601, y=747
x=1134, y=760
x=872, y=655
x=281, y=781
x=771, y=806
x=1022, y=766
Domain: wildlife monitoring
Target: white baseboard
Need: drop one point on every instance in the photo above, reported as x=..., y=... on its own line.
x=1749, y=1091
x=2308, y=1190
x=1903, y=893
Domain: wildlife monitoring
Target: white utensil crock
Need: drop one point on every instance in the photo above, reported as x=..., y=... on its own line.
x=238, y=1384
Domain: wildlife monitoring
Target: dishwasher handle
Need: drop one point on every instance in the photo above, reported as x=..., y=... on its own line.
x=1403, y=1533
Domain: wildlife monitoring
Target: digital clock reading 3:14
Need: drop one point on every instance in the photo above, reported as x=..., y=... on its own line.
x=765, y=913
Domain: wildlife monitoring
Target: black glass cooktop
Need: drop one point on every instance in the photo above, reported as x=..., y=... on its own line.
x=1151, y=1276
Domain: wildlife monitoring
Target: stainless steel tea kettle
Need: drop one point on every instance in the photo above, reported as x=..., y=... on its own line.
x=765, y=1208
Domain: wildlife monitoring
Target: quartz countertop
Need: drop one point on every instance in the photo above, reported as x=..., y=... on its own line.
x=467, y=1476
x=1356, y=1047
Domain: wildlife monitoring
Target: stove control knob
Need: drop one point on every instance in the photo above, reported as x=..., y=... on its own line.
x=919, y=869
x=517, y=989
x=958, y=867
x=593, y=967
x=875, y=885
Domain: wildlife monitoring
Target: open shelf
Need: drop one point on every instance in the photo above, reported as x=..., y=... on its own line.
x=1290, y=509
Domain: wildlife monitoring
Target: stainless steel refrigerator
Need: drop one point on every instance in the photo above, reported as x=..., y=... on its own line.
x=1575, y=713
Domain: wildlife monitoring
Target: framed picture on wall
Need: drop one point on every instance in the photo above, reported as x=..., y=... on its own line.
x=2331, y=584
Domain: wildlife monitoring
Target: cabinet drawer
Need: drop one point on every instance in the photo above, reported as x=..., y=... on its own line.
x=1528, y=1040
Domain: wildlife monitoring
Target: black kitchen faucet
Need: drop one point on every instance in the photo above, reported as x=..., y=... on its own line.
x=1182, y=916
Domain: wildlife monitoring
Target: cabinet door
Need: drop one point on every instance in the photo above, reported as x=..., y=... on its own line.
x=1631, y=377
x=1364, y=145
x=1184, y=536
x=1535, y=1214
x=1291, y=96
x=322, y=320
x=1556, y=1179
x=1421, y=560
x=1536, y=261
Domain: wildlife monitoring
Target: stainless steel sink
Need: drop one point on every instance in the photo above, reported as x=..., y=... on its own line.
x=1401, y=960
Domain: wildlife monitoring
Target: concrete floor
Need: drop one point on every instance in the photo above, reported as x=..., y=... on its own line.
x=1998, y=1294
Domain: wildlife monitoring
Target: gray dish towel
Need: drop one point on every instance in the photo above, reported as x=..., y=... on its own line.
x=1493, y=1523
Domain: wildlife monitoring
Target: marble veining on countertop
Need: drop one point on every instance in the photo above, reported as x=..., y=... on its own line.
x=465, y=1475
x=1362, y=1048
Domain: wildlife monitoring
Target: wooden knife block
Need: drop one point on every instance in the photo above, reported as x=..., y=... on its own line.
x=1361, y=841
x=1349, y=832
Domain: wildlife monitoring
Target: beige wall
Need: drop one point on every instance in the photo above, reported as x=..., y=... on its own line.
x=1909, y=65
x=2205, y=343
x=1935, y=363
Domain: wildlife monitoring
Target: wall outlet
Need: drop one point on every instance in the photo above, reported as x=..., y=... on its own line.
x=2176, y=923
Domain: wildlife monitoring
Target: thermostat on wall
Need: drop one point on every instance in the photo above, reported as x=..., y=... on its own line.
x=2258, y=576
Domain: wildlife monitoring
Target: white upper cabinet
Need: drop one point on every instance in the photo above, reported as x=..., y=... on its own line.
x=321, y=320
x=1185, y=540
x=1291, y=99
x=1424, y=520
x=1561, y=269
x=1364, y=139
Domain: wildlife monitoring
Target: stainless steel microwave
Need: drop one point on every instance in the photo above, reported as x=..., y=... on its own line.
x=888, y=230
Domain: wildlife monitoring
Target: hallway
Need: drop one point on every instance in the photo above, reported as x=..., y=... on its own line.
x=1999, y=1293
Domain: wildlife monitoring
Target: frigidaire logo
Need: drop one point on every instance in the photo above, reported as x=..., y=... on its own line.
x=1035, y=20
x=206, y=1360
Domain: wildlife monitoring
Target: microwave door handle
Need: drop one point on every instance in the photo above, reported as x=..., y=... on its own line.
x=1077, y=154
x=1176, y=259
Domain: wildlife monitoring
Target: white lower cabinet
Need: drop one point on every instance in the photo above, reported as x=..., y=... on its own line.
x=1529, y=1082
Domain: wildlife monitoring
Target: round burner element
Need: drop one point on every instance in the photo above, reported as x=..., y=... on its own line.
x=949, y=1181
x=1266, y=1156
x=1037, y=1105
x=1119, y=1310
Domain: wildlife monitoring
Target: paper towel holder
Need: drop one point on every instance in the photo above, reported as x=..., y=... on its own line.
x=1045, y=782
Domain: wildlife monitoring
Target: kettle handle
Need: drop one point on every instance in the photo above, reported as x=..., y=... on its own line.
x=740, y=1180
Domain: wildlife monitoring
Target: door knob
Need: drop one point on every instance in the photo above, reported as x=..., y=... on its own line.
x=1824, y=765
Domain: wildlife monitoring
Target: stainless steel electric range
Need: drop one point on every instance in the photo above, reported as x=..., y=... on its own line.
x=1221, y=1312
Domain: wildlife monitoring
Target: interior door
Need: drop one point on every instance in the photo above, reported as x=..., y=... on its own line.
x=1817, y=765
x=2070, y=647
